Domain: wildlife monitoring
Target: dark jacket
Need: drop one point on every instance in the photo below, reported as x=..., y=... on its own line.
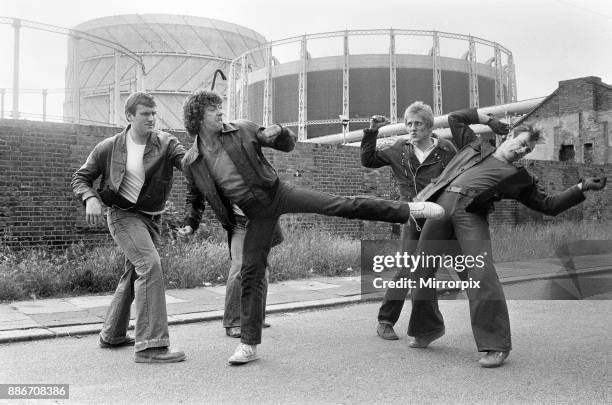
x=242, y=140
x=521, y=186
x=411, y=175
x=108, y=159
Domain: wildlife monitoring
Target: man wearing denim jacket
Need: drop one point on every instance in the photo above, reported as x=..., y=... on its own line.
x=226, y=167
x=136, y=166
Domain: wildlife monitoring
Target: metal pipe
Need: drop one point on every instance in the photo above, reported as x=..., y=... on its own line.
x=519, y=107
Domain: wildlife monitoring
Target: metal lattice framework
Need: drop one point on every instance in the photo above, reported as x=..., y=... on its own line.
x=241, y=95
x=76, y=35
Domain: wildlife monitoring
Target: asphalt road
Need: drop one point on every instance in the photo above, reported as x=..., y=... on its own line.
x=562, y=354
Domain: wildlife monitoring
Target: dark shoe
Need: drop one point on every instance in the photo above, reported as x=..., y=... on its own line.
x=159, y=355
x=385, y=331
x=424, y=341
x=493, y=359
x=234, y=331
x=129, y=341
x=243, y=354
x=265, y=325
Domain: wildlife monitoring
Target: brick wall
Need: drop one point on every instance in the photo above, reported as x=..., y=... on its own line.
x=37, y=206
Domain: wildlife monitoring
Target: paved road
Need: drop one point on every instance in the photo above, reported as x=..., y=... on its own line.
x=561, y=355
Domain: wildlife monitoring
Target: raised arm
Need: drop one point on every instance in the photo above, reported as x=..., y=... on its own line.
x=371, y=156
x=459, y=123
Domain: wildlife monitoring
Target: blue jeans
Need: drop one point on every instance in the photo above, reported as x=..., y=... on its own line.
x=142, y=282
x=231, y=314
x=260, y=230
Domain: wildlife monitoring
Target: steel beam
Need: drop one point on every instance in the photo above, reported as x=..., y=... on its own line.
x=437, y=75
x=346, y=80
x=116, y=91
x=244, y=88
x=499, y=81
x=473, y=75
x=511, y=79
x=16, y=43
x=302, y=91
x=267, y=91
x=392, y=79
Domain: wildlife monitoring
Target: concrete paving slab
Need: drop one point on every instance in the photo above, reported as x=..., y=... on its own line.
x=19, y=324
x=195, y=294
x=91, y=301
x=65, y=318
x=46, y=306
x=190, y=307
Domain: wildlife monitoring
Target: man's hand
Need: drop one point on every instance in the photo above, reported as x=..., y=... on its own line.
x=184, y=232
x=93, y=211
x=593, y=183
x=273, y=131
x=378, y=121
x=500, y=128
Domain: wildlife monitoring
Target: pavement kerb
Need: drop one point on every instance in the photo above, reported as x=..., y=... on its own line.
x=39, y=333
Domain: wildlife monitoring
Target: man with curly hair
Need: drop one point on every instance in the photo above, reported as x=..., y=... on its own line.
x=227, y=168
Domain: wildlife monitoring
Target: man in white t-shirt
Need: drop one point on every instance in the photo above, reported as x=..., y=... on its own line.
x=136, y=166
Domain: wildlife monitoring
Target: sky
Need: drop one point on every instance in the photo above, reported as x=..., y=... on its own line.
x=551, y=40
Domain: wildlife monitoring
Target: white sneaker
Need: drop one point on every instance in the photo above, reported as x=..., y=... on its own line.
x=243, y=354
x=426, y=210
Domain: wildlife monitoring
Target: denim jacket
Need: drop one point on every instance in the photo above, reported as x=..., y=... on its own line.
x=521, y=186
x=242, y=140
x=108, y=159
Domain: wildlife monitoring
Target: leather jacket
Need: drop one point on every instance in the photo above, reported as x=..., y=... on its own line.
x=521, y=186
x=242, y=140
x=411, y=175
x=108, y=159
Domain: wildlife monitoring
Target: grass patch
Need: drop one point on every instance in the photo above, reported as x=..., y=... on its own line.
x=77, y=270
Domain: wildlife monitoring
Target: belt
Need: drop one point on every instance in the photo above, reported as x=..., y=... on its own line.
x=153, y=217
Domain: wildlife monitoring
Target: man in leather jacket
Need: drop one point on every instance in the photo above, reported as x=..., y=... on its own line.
x=226, y=167
x=136, y=166
x=414, y=163
x=479, y=175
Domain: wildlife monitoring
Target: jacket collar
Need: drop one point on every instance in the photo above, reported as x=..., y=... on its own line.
x=153, y=138
x=228, y=127
x=193, y=153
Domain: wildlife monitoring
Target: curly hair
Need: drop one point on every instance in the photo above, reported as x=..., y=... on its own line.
x=193, y=110
x=422, y=110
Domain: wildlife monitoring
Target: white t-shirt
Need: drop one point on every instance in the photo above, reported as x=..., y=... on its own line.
x=134, y=171
x=421, y=155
